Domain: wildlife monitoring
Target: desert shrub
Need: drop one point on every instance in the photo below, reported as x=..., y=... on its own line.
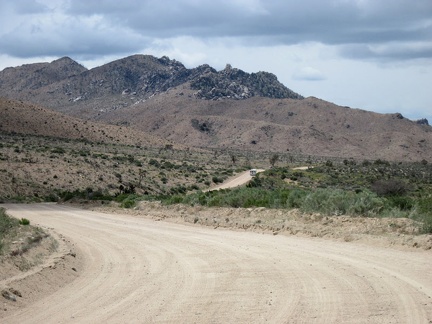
x=6, y=223
x=179, y=189
x=237, y=198
x=154, y=162
x=326, y=201
x=51, y=198
x=68, y=195
x=424, y=214
x=401, y=202
x=24, y=221
x=381, y=162
x=427, y=224
x=128, y=203
x=217, y=179
x=175, y=199
x=295, y=198
x=193, y=187
x=341, y=202
x=127, y=200
x=58, y=150
x=389, y=187
x=255, y=182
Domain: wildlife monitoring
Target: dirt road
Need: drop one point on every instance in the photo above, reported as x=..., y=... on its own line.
x=138, y=270
x=235, y=181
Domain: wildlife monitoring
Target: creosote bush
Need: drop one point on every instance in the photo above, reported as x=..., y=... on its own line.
x=24, y=221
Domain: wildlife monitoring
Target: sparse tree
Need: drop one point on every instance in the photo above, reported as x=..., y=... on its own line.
x=142, y=174
x=273, y=159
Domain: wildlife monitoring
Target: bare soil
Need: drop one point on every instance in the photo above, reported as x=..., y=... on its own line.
x=131, y=267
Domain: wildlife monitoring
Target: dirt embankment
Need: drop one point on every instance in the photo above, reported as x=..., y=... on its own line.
x=395, y=232
x=31, y=271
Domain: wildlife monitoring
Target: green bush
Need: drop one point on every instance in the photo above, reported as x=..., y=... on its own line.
x=295, y=198
x=424, y=214
x=24, y=221
x=340, y=202
x=402, y=202
x=129, y=201
x=216, y=179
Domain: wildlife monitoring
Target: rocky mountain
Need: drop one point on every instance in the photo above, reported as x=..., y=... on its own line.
x=227, y=109
x=28, y=77
x=66, y=86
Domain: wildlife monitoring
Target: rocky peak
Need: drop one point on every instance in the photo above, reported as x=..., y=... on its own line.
x=233, y=83
x=422, y=121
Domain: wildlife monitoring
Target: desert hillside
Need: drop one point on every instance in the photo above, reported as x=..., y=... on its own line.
x=30, y=119
x=299, y=127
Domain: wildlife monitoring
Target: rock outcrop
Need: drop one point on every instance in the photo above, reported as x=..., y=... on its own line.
x=232, y=83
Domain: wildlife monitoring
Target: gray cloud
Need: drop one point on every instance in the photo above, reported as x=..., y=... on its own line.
x=358, y=27
x=308, y=74
x=25, y=7
x=389, y=51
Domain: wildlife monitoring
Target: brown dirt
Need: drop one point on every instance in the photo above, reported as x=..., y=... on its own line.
x=138, y=269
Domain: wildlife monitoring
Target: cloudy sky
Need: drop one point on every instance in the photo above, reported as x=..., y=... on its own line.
x=369, y=54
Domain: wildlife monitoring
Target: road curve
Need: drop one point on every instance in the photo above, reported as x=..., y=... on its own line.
x=139, y=270
x=238, y=180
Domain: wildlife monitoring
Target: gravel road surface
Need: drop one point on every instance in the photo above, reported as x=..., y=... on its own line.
x=137, y=270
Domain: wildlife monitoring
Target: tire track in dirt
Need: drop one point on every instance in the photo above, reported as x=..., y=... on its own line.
x=138, y=270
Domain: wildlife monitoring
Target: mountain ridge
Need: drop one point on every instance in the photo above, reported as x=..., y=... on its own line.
x=139, y=75
x=227, y=109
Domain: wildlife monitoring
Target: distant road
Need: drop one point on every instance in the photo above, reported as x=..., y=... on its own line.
x=235, y=181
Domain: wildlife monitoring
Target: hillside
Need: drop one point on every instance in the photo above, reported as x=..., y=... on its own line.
x=202, y=107
x=29, y=119
x=298, y=127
